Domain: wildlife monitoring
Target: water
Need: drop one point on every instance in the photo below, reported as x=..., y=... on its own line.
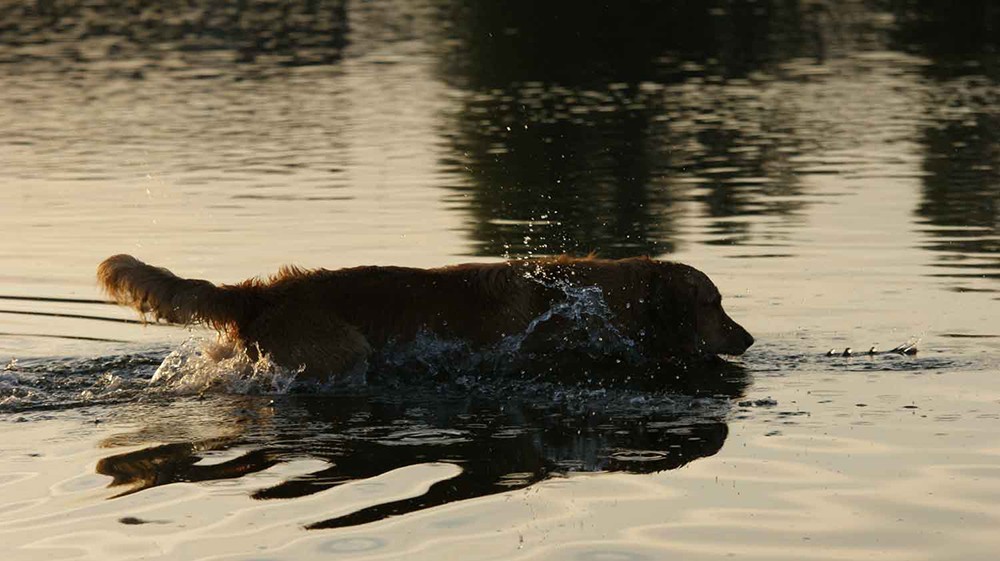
x=832, y=166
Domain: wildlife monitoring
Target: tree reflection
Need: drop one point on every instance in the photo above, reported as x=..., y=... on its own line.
x=961, y=187
x=961, y=193
x=961, y=37
x=578, y=136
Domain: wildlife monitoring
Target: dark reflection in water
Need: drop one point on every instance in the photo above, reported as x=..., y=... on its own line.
x=548, y=182
x=573, y=141
x=961, y=193
x=961, y=142
x=962, y=37
x=287, y=33
x=173, y=463
x=574, y=43
x=502, y=440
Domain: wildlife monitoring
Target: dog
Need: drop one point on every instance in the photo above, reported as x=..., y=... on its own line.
x=327, y=323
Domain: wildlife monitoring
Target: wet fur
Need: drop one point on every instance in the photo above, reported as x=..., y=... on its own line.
x=329, y=322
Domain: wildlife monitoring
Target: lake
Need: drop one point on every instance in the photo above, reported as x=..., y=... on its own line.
x=834, y=167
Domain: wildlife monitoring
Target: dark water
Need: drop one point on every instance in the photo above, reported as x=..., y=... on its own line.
x=834, y=167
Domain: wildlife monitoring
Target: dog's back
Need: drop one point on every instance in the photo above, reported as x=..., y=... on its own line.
x=329, y=321
x=479, y=303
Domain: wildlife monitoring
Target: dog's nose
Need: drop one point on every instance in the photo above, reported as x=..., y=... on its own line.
x=741, y=340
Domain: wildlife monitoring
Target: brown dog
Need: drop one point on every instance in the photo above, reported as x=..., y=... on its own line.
x=329, y=322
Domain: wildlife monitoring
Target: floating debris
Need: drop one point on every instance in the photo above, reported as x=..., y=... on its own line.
x=765, y=402
x=907, y=348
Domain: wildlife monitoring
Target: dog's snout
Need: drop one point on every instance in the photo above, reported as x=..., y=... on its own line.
x=739, y=339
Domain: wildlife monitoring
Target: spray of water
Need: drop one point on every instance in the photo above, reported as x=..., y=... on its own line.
x=198, y=366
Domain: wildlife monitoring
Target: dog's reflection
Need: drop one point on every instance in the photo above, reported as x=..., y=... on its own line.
x=501, y=444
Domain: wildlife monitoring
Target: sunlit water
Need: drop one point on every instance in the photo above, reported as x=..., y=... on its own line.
x=832, y=166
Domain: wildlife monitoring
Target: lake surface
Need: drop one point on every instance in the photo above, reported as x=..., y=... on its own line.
x=834, y=167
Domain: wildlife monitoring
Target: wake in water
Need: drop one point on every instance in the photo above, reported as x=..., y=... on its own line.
x=68, y=382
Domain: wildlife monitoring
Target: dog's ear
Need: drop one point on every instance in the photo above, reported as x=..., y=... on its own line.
x=672, y=307
x=697, y=286
x=679, y=286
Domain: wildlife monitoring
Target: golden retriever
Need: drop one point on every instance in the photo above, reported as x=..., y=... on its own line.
x=327, y=323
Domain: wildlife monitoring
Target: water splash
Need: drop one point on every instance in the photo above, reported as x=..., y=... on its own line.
x=198, y=366
x=17, y=391
x=586, y=316
x=576, y=329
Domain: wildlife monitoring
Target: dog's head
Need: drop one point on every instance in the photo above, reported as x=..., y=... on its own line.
x=694, y=303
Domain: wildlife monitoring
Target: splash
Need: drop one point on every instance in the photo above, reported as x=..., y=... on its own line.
x=17, y=391
x=584, y=319
x=575, y=332
x=199, y=366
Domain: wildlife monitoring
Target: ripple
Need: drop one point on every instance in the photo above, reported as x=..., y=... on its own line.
x=351, y=545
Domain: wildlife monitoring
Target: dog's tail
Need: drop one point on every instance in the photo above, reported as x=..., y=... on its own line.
x=163, y=295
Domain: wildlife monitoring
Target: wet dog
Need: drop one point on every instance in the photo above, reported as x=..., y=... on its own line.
x=327, y=323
